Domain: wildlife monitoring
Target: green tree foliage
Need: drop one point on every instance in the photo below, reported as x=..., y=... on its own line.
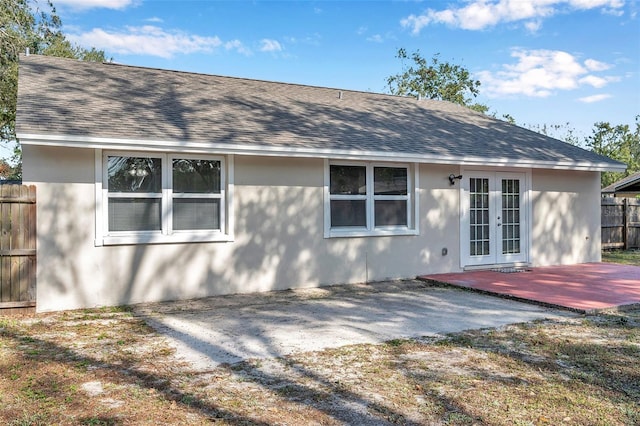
x=24, y=24
x=435, y=79
x=618, y=142
x=564, y=132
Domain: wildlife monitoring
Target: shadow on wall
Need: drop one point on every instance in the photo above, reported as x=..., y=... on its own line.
x=278, y=244
x=62, y=240
x=562, y=233
x=440, y=223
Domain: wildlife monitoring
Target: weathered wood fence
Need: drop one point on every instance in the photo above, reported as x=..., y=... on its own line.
x=620, y=218
x=17, y=248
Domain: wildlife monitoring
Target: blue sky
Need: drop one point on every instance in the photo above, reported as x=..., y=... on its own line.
x=542, y=62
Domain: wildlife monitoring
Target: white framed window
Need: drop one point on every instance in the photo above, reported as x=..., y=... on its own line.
x=367, y=199
x=163, y=197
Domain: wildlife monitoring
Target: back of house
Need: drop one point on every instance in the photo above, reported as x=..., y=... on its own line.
x=160, y=185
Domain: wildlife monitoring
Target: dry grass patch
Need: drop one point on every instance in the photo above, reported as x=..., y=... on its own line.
x=107, y=367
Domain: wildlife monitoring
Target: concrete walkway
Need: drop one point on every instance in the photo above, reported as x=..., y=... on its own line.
x=586, y=287
x=228, y=329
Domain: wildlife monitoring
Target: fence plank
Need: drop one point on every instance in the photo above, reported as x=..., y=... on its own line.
x=620, y=222
x=633, y=223
x=17, y=247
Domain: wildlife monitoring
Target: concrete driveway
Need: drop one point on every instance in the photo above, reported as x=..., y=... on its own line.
x=228, y=329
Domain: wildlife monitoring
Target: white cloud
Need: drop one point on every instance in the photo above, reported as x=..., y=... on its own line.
x=268, y=45
x=376, y=38
x=594, y=98
x=593, y=65
x=615, y=12
x=93, y=4
x=533, y=26
x=540, y=73
x=483, y=14
x=594, y=81
x=313, y=40
x=152, y=40
x=237, y=46
x=154, y=19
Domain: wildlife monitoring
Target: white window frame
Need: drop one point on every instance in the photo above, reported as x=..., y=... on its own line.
x=166, y=234
x=171, y=195
x=370, y=198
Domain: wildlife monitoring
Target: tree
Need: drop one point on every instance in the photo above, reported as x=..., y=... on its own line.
x=435, y=80
x=22, y=27
x=564, y=132
x=619, y=143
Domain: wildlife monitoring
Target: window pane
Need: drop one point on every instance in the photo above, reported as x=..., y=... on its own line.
x=348, y=213
x=134, y=214
x=196, y=176
x=391, y=212
x=134, y=174
x=193, y=214
x=350, y=180
x=390, y=181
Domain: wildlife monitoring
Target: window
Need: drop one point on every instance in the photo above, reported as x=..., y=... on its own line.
x=163, y=198
x=348, y=188
x=197, y=194
x=135, y=193
x=369, y=199
x=390, y=196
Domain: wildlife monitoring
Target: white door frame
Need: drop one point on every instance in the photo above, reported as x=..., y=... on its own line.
x=495, y=256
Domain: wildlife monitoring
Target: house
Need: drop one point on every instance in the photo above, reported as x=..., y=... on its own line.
x=628, y=187
x=158, y=185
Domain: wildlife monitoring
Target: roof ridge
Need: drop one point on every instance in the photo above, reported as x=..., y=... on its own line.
x=205, y=74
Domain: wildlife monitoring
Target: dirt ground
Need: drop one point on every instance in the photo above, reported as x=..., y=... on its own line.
x=109, y=367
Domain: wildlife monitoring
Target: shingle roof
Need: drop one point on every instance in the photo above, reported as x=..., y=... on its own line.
x=73, y=99
x=627, y=184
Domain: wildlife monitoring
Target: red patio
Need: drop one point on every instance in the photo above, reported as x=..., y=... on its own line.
x=585, y=287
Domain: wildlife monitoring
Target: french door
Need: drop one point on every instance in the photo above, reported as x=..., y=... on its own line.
x=494, y=218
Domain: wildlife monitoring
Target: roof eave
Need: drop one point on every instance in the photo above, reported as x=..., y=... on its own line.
x=287, y=151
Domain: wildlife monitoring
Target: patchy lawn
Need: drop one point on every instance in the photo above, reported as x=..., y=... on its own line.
x=107, y=367
x=628, y=257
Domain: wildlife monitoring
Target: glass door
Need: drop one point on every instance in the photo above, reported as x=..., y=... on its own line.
x=492, y=228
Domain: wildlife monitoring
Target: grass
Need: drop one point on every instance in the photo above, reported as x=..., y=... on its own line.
x=107, y=367
x=627, y=257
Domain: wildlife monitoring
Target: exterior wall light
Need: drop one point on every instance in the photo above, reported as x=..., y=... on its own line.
x=452, y=178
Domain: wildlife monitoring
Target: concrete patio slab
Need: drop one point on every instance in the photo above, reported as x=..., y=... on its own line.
x=587, y=287
x=228, y=329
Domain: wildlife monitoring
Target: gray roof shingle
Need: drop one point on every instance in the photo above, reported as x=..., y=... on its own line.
x=79, y=99
x=629, y=183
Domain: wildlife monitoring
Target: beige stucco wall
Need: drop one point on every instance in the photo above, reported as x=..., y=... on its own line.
x=279, y=240
x=566, y=217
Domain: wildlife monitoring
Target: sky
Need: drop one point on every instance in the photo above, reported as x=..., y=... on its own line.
x=544, y=62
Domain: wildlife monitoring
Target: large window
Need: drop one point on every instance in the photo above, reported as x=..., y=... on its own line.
x=156, y=197
x=369, y=199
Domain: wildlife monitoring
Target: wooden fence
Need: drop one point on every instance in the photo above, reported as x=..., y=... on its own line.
x=620, y=218
x=17, y=248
